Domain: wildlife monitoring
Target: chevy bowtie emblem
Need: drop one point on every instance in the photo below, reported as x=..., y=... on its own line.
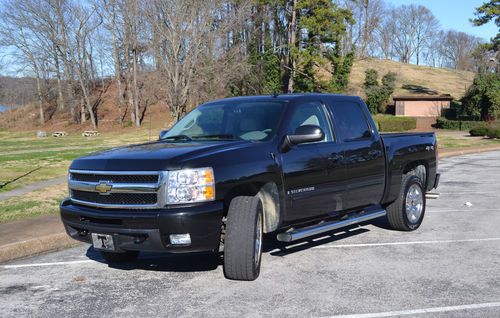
x=103, y=187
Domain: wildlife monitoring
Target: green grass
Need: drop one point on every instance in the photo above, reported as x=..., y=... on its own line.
x=36, y=203
x=21, y=152
x=452, y=140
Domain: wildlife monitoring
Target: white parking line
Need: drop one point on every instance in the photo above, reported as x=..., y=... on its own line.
x=48, y=264
x=421, y=311
x=409, y=243
x=462, y=210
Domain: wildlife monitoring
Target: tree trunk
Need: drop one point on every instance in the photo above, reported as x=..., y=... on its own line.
x=135, y=89
x=293, y=35
x=60, y=102
x=40, y=99
x=116, y=57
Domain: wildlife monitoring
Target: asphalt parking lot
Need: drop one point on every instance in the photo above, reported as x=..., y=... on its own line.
x=450, y=267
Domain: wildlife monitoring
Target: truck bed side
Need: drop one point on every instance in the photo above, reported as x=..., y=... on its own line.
x=405, y=151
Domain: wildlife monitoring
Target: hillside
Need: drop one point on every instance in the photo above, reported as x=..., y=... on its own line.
x=412, y=79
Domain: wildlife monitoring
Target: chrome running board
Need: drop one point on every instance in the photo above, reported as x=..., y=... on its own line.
x=300, y=233
x=432, y=195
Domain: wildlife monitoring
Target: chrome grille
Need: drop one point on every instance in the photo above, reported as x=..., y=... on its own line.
x=116, y=198
x=115, y=178
x=118, y=189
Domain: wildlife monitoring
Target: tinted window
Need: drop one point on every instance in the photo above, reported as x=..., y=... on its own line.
x=311, y=113
x=351, y=121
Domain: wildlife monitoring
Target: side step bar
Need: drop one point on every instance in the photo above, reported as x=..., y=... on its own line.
x=300, y=233
x=432, y=195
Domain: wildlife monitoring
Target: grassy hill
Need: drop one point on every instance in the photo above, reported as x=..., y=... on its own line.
x=412, y=79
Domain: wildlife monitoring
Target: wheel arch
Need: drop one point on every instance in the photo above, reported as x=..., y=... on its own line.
x=418, y=168
x=269, y=195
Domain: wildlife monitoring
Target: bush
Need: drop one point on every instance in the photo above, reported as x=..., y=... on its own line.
x=377, y=95
x=482, y=99
x=493, y=133
x=479, y=131
x=395, y=124
x=458, y=124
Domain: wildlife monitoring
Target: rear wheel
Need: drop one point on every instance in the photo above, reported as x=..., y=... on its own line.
x=127, y=256
x=407, y=212
x=243, y=239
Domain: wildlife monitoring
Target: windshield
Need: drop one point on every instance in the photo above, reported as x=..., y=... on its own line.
x=228, y=121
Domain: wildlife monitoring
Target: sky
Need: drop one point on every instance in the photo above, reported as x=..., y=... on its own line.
x=455, y=14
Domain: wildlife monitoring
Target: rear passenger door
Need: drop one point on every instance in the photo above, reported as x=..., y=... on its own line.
x=310, y=187
x=363, y=154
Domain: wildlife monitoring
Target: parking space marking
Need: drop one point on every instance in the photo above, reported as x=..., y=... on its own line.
x=462, y=210
x=410, y=243
x=48, y=264
x=421, y=311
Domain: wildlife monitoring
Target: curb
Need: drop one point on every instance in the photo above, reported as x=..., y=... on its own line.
x=35, y=246
x=458, y=152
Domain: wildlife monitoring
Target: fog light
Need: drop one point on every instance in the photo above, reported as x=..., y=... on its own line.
x=180, y=239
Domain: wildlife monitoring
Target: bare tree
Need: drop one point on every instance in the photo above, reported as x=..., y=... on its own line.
x=184, y=26
x=17, y=31
x=458, y=48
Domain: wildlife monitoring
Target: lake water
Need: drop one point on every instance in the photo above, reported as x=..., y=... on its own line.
x=3, y=108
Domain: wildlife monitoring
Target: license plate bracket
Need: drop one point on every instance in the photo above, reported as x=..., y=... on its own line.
x=103, y=242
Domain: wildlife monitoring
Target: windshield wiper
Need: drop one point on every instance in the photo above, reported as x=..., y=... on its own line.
x=179, y=137
x=217, y=136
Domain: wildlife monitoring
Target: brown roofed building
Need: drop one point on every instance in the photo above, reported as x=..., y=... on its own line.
x=421, y=105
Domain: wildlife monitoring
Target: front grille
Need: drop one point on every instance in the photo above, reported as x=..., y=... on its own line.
x=84, y=177
x=115, y=198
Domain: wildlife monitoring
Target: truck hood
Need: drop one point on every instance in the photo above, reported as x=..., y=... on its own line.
x=153, y=156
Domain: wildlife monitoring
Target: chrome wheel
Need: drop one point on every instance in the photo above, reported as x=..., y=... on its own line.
x=258, y=239
x=414, y=203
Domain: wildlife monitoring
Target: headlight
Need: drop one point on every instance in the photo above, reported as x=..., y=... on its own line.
x=190, y=185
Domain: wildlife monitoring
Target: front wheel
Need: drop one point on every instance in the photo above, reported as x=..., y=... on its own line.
x=407, y=212
x=243, y=239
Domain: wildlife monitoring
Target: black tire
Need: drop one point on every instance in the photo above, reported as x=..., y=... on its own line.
x=242, y=258
x=127, y=256
x=396, y=211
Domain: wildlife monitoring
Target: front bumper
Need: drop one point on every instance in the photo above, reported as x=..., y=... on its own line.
x=147, y=230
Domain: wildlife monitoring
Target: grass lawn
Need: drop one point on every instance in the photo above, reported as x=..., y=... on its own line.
x=23, y=152
x=451, y=139
x=36, y=203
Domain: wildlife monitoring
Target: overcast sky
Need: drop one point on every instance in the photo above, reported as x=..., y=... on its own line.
x=455, y=14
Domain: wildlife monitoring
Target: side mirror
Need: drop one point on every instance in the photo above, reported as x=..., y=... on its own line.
x=303, y=134
x=163, y=133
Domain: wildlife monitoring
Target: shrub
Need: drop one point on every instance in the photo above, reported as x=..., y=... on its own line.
x=377, y=95
x=458, y=124
x=395, y=124
x=493, y=133
x=479, y=131
x=482, y=99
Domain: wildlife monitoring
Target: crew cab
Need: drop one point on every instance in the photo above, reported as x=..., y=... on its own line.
x=294, y=165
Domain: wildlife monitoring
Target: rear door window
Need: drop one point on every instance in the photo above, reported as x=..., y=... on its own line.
x=351, y=121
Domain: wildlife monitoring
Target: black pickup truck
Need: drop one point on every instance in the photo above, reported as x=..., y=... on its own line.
x=231, y=170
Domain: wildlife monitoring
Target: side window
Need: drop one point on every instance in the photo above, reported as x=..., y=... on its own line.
x=351, y=121
x=311, y=113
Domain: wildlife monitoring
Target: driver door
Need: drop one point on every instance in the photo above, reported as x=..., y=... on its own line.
x=310, y=186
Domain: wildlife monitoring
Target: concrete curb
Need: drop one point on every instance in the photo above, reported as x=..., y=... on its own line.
x=460, y=152
x=35, y=246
